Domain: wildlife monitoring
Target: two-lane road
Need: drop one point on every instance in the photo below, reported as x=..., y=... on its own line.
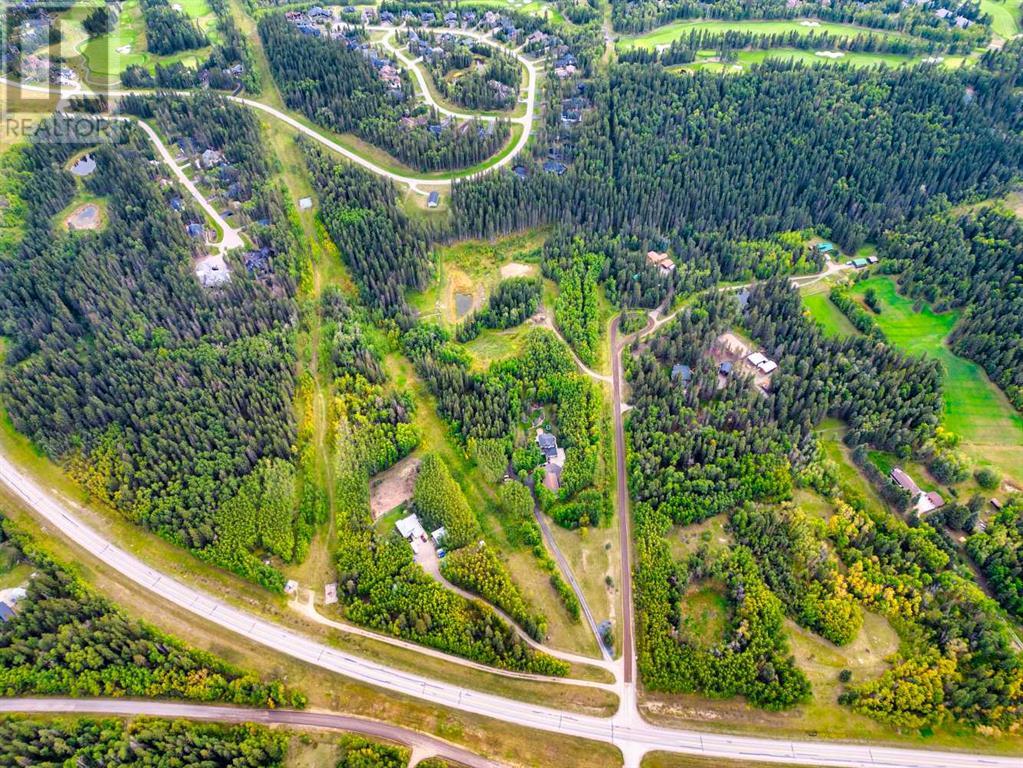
x=625, y=730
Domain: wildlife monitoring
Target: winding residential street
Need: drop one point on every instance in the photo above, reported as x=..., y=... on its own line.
x=415, y=181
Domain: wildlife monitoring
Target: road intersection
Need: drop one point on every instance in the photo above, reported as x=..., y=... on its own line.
x=626, y=730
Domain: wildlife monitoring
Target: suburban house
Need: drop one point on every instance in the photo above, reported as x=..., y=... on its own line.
x=555, y=459
x=412, y=531
x=661, y=261
x=923, y=502
x=553, y=166
x=743, y=297
x=681, y=372
x=8, y=599
x=761, y=362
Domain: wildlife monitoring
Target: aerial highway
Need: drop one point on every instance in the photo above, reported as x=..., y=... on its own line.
x=626, y=730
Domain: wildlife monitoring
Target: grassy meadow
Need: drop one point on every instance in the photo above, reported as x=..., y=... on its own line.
x=975, y=409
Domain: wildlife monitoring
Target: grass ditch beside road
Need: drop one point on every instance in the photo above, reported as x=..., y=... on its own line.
x=180, y=564
x=325, y=690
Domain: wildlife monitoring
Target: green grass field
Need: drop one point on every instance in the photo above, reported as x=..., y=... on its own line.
x=1005, y=16
x=472, y=268
x=827, y=315
x=975, y=409
x=107, y=56
x=670, y=32
x=745, y=59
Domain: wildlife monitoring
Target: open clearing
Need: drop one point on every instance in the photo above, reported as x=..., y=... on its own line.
x=467, y=272
x=828, y=316
x=705, y=613
x=975, y=409
x=393, y=487
x=1004, y=16
x=745, y=59
x=668, y=33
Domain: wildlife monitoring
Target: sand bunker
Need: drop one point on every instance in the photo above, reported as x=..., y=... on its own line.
x=516, y=269
x=933, y=59
x=809, y=23
x=830, y=54
x=84, y=217
x=124, y=49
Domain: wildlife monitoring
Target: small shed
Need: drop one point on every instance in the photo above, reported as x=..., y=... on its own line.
x=433, y=200
x=330, y=593
x=305, y=203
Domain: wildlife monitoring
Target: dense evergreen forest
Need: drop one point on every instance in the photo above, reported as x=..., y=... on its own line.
x=169, y=30
x=64, y=639
x=139, y=743
x=972, y=262
x=160, y=396
x=998, y=550
x=916, y=19
x=385, y=250
x=806, y=148
x=340, y=89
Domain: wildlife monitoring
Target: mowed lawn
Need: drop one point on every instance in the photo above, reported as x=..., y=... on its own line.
x=1004, y=16
x=975, y=409
x=744, y=59
x=670, y=32
x=828, y=316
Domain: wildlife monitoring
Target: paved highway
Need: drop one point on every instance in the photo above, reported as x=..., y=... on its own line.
x=626, y=730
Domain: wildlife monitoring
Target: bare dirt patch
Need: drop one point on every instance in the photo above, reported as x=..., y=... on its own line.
x=394, y=487
x=516, y=269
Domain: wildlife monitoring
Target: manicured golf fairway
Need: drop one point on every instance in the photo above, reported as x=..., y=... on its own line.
x=1004, y=16
x=746, y=59
x=669, y=32
x=975, y=409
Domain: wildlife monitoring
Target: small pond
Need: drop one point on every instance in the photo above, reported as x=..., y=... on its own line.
x=463, y=304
